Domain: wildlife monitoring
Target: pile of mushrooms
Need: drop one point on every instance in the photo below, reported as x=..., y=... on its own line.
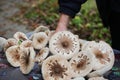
x=61, y=56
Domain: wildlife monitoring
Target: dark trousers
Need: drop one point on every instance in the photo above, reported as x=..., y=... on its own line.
x=114, y=24
x=110, y=14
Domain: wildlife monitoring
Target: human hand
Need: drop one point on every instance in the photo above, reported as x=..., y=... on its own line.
x=62, y=23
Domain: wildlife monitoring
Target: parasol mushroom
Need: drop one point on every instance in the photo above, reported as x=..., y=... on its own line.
x=81, y=63
x=20, y=36
x=82, y=42
x=56, y=67
x=42, y=28
x=78, y=78
x=64, y=43
x=97, y=78
x=2, y=43
x=103, y=57
x=27, y=60
x=26, y=44
x=42, y=54
x=40, y=40
x=10, y=42
x=13, y=55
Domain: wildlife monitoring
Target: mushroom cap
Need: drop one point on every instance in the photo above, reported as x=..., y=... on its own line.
x=82, y=42
x=2, y=42
x=41, y=28
x=26, y=44
x=97, y=78
x=78, y=78
x=56, y=67
x=20, y=36
x=40, y=40
x=42, y=54
x=81, y=63
x=10, y=42
x=64, y=43
x=87, y=45
x=13, y=55
x=27, y=60
x=51, y=34
x=103, y=54
x=103, y=60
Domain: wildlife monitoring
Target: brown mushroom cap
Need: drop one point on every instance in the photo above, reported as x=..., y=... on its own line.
x=64, y=43
x=27, y=60
x=81, y=63
x=20, y=36
x=13, y=55
x=40, y=40
x=42, y=54
x=56, y=67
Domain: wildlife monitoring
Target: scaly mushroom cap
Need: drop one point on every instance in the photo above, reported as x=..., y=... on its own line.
x=40, y=40
x=87, y=45
x=10, y=42
x=26, y=44
x=27, y=60
x=103, y=54
x=97, y=78
x=81, y=63
x=42, y=54
x=103, y=59
x=2, y=43
x=56, y=67
x=64, y=43
x=20, y=36
x=13, y=55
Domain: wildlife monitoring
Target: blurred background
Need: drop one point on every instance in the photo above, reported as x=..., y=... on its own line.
x=26, y=15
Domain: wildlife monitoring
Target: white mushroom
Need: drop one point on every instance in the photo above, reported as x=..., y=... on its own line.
x=26, y=44
x=81, y=63
x=87, y=45
x=40, y=40
x=42, y=28
x=82, y=42
x=13, y=55
x=42, y=54
x=10, y=42
x=51, y=34
x=56, y=67
x=97, y=78
x=64, y=43
x=78, y=78
x=2, y=43
x=20, y=36
x=27, y=60
x=103, y=58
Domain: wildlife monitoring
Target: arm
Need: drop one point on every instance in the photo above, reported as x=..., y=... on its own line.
x=68, y=9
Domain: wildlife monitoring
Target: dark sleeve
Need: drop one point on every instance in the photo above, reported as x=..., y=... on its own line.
x=70, y=7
